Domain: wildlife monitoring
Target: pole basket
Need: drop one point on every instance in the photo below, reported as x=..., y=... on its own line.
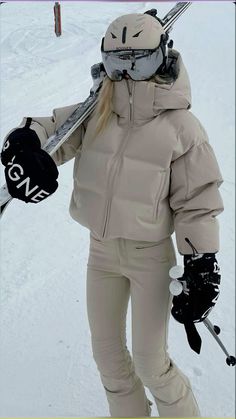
x=57, y=18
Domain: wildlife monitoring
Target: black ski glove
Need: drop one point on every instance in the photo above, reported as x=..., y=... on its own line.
x=200, y=281
x=31, y=174
x=20, y=140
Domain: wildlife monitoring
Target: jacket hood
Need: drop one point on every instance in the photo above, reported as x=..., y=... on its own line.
x=150, y=98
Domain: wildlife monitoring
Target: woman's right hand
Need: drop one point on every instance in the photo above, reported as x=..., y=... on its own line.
x=31, y=174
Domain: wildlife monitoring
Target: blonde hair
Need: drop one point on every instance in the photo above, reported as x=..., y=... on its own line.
x=104, y=107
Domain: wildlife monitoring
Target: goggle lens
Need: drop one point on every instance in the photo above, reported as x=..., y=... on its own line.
x=138, y=64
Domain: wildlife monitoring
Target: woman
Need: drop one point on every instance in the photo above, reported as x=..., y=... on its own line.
x=143, y=169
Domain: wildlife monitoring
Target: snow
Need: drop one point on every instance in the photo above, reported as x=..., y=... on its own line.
x=46, y=363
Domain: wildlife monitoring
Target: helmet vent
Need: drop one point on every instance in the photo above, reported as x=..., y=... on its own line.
x=137, y=34
x=113, y=36
x=124, y=34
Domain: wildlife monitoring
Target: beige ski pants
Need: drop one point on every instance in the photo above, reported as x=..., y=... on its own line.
x=120, y=269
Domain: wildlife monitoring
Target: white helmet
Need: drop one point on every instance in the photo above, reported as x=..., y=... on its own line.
x=134, y=44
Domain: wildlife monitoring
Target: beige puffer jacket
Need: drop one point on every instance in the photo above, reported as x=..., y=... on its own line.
x=151, y=171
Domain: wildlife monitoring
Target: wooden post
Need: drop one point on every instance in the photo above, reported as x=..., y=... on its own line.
x=57, y=18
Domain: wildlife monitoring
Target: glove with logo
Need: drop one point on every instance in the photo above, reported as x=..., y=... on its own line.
x=200, y=281
x=31, y=174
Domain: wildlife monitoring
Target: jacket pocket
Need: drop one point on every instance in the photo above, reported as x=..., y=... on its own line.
x=160, y=192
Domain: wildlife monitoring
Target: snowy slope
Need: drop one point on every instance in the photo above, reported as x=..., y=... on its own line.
x=46, y=364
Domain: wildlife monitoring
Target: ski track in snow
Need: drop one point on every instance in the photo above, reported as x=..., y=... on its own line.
x=46, y=363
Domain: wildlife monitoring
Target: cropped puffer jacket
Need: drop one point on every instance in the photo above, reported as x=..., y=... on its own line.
x=151, y=171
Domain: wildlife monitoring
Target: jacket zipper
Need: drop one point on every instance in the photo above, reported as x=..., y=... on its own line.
x=131, y=92
x=117, y=160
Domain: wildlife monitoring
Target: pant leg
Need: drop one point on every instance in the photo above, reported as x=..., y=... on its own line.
x=147, y=270
x=107, y=300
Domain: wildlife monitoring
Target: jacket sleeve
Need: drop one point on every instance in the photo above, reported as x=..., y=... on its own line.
x=194, y=195
x=46, y=126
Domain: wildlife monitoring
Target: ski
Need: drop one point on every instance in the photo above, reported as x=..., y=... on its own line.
x=87, y=107
x=68, y=127
x=174, y=14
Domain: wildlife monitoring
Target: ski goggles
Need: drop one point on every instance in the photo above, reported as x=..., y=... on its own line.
x=138, y=64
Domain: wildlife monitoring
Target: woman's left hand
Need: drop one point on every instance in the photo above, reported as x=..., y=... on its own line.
x=200, y=281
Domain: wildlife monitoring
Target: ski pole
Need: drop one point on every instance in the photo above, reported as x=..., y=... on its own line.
x=215, y=330
x=176, y=288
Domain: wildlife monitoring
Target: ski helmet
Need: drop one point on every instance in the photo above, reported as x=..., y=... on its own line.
x=134, y=44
